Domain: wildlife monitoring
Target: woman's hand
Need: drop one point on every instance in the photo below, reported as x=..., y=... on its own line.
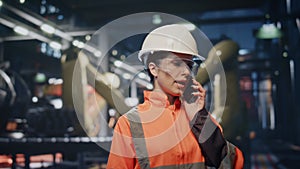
x=199, y=103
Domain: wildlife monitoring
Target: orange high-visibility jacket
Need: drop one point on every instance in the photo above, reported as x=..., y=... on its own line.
x=159, y=135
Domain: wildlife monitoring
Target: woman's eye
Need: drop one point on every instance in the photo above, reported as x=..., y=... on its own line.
x=177, y=63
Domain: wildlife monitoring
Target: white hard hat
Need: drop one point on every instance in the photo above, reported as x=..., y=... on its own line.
x=174, y=38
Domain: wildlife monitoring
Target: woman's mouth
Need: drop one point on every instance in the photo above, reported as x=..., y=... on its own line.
x=180, y=84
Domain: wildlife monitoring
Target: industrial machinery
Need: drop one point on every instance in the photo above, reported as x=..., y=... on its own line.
x=231, y=117
x=14, y=99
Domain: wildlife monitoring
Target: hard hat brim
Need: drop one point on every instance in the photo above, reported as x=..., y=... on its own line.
x=143, y=53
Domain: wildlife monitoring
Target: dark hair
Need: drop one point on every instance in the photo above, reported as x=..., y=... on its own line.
x=154, y=57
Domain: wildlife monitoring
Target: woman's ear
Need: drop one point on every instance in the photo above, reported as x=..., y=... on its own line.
x=152, y=69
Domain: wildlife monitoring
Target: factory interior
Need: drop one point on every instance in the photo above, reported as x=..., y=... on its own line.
x=69, y=69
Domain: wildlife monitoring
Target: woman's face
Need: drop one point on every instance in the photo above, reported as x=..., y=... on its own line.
x=173, y=73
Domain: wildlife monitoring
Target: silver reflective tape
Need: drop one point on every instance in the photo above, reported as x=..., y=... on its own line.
x=138, y=137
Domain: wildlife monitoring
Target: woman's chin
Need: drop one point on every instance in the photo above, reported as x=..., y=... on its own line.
x=178, y=93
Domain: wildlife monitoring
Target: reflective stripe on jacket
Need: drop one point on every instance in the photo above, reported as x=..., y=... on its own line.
x=158, y=135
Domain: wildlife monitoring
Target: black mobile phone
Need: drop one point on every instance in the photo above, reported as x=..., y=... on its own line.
x=187, y=94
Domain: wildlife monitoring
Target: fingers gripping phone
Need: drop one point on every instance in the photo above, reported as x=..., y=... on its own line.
x=187, y=94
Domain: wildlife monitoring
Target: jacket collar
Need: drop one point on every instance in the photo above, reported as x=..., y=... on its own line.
x=158, y=98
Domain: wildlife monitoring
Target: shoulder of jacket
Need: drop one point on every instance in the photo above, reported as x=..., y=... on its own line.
x=132, y=113
x=128, y=117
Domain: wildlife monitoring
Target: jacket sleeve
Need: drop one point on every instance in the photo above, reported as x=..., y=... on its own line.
x=234, y=158
x=210, y=138
x=122, y=154
x=239, y=159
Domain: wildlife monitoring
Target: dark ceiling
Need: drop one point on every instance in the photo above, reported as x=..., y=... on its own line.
x=94, y=13
x=76, y=15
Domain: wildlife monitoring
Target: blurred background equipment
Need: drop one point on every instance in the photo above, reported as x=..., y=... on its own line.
x=231, y=116
x=14, y=100
x=8, y=95
x=87, y=91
